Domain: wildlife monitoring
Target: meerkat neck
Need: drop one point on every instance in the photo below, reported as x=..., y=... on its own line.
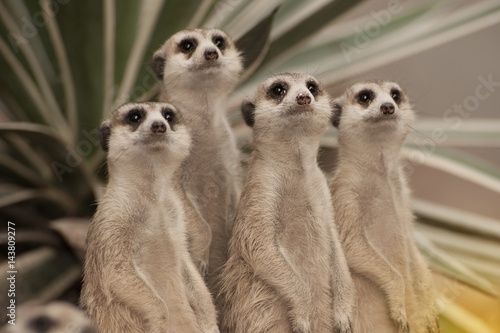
x=204, y=108
x=381, y=157
x=302, y=150
x=152, y=178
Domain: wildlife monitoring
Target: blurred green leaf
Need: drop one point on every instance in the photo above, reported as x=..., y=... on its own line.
x=457, y=319
x=449, y=266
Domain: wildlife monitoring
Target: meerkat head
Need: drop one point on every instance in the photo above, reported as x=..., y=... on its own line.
x=145, y=129
x=289, y=102
x=378, y=107
x=198, y=58
x=54, y=317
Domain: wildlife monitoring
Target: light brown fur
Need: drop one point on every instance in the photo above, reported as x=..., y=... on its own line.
x=198, y=82
x=286, y=271
x=138, y=276
x=373, y=212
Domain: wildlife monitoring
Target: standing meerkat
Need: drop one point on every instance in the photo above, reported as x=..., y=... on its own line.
x=286, y=271
x=373, y=211
x=138, y=276
x=198, y=69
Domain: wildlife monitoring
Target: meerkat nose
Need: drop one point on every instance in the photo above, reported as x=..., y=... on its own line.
x=211, y=54
x=303, y=99
x=158, y=127
x=387, y=108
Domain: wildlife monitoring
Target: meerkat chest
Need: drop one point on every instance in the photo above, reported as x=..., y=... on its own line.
x=385, y=220
x=210, y=168
x=157, y=252
x=212, y=147
x=304, y=213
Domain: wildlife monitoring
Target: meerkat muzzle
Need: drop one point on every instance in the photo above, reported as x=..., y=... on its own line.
x=158, y=127
x=303, y=99
x=387, y=108
x=211, y=55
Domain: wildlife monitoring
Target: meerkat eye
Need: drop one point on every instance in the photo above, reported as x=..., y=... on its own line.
x=134, y=116
x=42, y=323
x=219, y=42
x=278, y=90
x=187, y=45
x=169, y=116
x=365, y=97
x=313, y=88
x=396, y=95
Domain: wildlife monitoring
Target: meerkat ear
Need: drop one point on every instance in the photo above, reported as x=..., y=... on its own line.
x=158, y=64
x=336, y=111
x=248, y=112
x=103, y=134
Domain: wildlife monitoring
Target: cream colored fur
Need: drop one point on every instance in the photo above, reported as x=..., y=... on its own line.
x=374, y=215
x=286, y=271
x=138, y=275
x=211, y=173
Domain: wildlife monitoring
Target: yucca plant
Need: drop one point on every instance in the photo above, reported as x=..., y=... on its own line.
x=66, y=64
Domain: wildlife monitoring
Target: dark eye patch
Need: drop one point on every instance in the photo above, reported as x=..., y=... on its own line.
x=365, y=97
x=42, y=324
x=170, y=116
x=313, y=88
x=134, y=118
x=277, y=91
x=188, y=46
x=220, y=42
x=396, y=95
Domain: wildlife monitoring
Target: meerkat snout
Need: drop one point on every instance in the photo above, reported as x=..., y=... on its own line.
x=303, y=99
x=158, y=127
x=211, y=54
x=387, y=108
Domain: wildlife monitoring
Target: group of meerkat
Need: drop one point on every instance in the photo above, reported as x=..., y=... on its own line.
x=172, y=247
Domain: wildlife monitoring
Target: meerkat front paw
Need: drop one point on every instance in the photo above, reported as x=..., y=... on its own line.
x=403, y=326
x=344, y=327
x=398, y=315
x=300, y=324
x=343, y=323
x=433, y=326
x=301, y=329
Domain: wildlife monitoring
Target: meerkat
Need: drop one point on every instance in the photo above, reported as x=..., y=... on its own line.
x=286, y=271
x=197, y=70
x=138, y=275
x=53, y=317
x=371, y=199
